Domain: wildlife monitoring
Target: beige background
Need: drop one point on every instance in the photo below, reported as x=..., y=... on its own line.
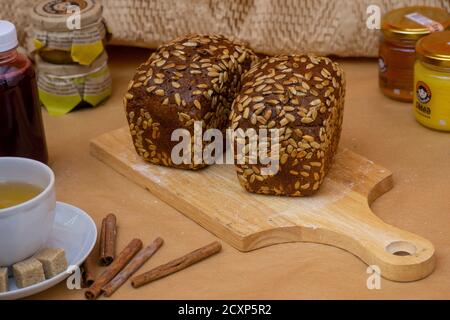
x=378, y=128
x=270, y=26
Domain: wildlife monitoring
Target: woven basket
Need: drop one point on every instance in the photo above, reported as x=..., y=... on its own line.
x=330, y=27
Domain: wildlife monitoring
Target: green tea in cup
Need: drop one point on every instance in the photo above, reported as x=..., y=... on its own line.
x=14, y=193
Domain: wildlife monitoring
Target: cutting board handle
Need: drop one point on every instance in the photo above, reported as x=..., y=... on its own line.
x=400, y=255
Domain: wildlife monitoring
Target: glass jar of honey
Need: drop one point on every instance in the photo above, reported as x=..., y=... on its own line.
x=60, y=38
x=432, y=81
x=401, y=29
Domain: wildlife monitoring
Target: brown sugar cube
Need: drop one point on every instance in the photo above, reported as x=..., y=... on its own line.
x=3, y=279
x=54, y=261
x=28, y=272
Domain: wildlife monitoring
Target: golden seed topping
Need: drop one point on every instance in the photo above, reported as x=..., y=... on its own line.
x=284, y=122
x=213, y=74
x=258, y=99
x=177, y=99
x=150, y=89
x=197, y=104
x=190, y=44
x=290, y=117
x=160, y=63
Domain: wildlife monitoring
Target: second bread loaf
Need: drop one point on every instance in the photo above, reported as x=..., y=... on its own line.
x=303, y=97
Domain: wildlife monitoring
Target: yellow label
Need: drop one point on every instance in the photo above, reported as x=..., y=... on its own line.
x=61, y=95
x=86, y=53
x=38, y=44
x=432, y=97
x=57, y=105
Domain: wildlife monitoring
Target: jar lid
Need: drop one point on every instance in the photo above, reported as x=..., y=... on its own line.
x=435, y=49
x=64, y=15
x=412, y=23
x=70, y=70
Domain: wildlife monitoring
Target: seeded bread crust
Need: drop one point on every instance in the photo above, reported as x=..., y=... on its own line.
x=193, y=78
x=303, y=97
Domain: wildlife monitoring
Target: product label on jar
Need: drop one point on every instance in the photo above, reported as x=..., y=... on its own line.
x=432, y=25
x=432, y=97
x=423, y=97
x=84, y=45
x=60, y=95
x=382, y=65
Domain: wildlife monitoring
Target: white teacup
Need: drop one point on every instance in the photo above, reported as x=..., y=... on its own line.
x=25, y=228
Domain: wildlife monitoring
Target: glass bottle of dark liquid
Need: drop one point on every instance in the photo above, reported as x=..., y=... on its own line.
x=21, y=128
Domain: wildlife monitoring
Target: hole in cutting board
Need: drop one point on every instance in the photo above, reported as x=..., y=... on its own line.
x=401, y=248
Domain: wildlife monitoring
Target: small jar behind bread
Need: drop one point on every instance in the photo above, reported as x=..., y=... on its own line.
x=303, y=97
x=190, y=79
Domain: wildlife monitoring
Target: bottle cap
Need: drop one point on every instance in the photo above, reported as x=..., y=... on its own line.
x=8, y=36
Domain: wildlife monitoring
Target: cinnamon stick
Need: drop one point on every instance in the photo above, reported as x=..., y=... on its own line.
x=132, y=267
x=108, y=240
x=88, y=275
x=176, y=265
x=114, y=268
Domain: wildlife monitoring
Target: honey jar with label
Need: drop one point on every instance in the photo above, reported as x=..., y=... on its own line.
x=432, y=81
x=401, y=29
x=65, y=32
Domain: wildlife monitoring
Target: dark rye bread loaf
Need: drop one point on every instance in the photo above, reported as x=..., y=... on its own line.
x=303, y=97
x=192, y=78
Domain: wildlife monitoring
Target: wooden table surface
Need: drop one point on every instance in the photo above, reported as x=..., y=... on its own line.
x=380, y=129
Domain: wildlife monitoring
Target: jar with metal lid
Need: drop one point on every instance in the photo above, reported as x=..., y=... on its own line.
x=64, y=31
x=401, y=29
x=432, y=81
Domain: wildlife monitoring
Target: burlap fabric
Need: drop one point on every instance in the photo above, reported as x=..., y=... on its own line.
x=336, y=27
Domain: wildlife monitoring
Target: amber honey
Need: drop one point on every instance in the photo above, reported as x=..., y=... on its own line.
x=401, y=29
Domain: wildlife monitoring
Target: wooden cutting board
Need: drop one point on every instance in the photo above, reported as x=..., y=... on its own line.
x=339, y=215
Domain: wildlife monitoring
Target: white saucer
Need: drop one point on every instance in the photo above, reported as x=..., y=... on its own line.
x=75, y=232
